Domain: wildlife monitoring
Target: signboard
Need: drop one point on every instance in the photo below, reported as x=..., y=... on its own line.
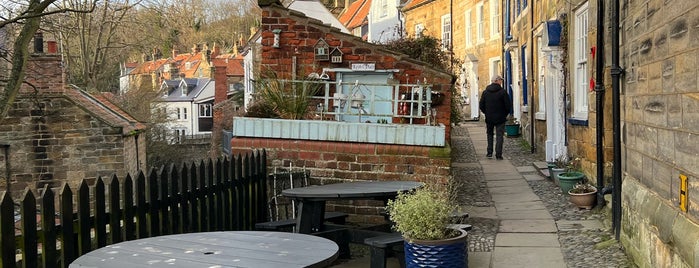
x=363, y=66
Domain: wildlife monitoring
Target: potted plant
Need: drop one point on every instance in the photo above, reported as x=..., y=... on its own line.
x=512, y=127
x=583, y=195
x=422, y=217
x=556, y=167
x=572, y=176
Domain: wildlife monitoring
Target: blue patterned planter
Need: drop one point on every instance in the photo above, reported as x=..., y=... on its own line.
x=446, y=253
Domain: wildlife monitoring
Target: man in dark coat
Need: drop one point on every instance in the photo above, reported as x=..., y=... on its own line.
x=497, y=106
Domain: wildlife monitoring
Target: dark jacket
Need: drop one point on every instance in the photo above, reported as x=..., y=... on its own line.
x=495, y=104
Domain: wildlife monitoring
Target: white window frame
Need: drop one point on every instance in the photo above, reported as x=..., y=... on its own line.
x=541, y=109
x=494, y=67
x=384, y=8
x=469, y=28
x=494, y=19
x=446, y=31
x=418, y=30
x=205, y=110
x=580, y=56
x=480, y=22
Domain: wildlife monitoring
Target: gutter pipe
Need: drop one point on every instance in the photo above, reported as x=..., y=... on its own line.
x=599, y=90
x=616, y=72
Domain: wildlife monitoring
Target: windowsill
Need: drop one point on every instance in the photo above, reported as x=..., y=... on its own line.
x=540, y=116
x=577, y=121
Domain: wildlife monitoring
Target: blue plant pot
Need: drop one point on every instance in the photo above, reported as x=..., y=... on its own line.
x=437, y=253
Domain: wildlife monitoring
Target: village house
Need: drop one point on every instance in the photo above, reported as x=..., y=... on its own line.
x=57, y=133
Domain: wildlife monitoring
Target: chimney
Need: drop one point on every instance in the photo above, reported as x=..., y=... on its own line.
x=39, y=42
x=216, y=51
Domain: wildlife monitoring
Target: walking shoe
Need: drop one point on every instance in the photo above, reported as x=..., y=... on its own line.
x=499, y=157
x=489, y=155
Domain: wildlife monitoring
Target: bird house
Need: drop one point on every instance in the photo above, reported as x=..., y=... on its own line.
x=322, y=50
x=336, y=55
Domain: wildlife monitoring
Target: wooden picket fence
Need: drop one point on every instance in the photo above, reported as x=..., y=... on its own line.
x=225, y=194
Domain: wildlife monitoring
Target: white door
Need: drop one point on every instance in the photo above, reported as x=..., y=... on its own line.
x=555, y=119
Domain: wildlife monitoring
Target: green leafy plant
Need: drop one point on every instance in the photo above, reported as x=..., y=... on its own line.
x=286, y=98
x=560, y=162
x=422, y=214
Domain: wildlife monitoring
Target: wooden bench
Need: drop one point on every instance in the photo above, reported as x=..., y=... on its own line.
x=391, y=243
x=334, y=217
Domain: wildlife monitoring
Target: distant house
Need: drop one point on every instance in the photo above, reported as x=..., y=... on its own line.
x=354, y=17
x=58, y=134
x=188, y=102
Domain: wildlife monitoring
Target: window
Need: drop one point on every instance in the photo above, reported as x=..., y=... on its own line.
x=469, y=28
x=205, y=110
x=181, y=113
x=384, y=8
x=493, y=67
x=480, y=21
x=543, y=82
x=580, y=79
x=418, y=30
x=494, y=18
x=446, y=31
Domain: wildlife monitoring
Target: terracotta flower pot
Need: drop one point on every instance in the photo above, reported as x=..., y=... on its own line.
x=583, y=200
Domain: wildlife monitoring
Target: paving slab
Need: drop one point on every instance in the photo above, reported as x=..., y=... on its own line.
x=564, y=225
x=527, y=226
x=526, y=240
x=514, y=197
x=509, y=189
x=525, y=169
x=540, y=165
x=506, y=183
x=533, y=177
x=520, y=206
x=502, y=176
x=466, y=165
x=527, y=257
x=497, y=166
x=479, y=259
x=537, y=214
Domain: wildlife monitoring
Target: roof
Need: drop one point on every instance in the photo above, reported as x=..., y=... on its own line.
x=415, y=3
x=356, y=14
x=316, y=10
x=194, y=87
x=233, y=63
x=101, y=107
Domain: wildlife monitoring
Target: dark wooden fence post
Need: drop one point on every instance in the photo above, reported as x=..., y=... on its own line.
x=154, y=203
x=68, y=242
x=48, y=227
x=129, y=225
x=28, y=227
x=141, y=206
x=175, y=201
x=84, y=239
x=164, y=197
x=115, y=234
x=100, y=221
x=7, y=230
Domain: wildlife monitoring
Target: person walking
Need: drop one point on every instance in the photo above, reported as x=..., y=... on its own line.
x=495, y=103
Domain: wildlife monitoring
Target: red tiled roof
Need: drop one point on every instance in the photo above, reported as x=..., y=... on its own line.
x=355, y=15
x=100, y=106
x=149, y=66
x=234, y=64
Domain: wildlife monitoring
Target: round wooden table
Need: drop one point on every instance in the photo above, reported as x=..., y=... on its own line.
x=216, y=249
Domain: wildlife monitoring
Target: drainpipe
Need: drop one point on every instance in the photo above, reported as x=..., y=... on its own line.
x=599, y=90
x=530, y=77
x=616, y=121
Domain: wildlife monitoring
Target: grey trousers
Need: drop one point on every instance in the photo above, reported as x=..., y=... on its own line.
x=499, y=131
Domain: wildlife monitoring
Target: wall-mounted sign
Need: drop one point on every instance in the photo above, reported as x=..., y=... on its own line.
x=363, y=66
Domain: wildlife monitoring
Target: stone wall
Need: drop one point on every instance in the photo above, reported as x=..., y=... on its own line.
x=660, y=127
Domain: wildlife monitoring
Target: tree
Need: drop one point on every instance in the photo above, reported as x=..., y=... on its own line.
x=28, y=17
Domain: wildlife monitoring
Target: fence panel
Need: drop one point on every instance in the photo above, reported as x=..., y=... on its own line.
x=227, y=194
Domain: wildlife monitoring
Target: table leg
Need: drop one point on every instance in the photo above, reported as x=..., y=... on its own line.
x=310, y=216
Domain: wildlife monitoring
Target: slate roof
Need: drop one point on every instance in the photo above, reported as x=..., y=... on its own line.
x=194, y=87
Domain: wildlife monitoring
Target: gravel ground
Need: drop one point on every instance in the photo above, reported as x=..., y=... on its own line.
x=580, y=248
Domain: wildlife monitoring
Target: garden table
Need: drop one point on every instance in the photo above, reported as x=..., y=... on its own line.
x=311, y=199
x=256, y=249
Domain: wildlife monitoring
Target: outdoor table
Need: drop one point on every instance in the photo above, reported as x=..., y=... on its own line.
x=216, y=249
x=311, y=199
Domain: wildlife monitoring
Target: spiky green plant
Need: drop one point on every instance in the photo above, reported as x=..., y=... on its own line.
x=289, y=99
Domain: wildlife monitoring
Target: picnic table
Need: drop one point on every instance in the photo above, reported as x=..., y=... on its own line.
x=311, y=199
x=256, y=249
